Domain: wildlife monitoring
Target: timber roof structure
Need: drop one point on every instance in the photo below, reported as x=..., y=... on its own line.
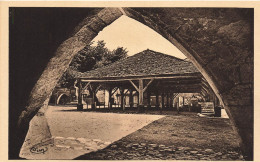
x=147, y=63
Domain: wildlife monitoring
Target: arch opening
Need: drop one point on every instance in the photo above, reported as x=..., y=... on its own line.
x=86, y=34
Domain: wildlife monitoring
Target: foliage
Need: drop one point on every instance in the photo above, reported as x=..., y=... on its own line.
x=91, y=57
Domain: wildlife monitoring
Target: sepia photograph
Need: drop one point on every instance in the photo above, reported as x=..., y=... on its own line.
x=130, y=83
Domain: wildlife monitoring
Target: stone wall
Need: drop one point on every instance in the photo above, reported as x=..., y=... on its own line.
x=220, y=44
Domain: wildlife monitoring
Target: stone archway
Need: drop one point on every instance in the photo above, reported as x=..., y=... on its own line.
x=59, y=98
x=224, y=58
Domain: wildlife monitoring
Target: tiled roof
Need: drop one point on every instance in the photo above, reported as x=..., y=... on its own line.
x=145, y=63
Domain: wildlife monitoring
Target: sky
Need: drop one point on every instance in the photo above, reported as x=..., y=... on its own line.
x=136, y=37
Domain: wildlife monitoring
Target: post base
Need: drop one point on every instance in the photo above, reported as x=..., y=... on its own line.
x=79, y=107
x=141, y=108
x=93, y=106
x=217, y=111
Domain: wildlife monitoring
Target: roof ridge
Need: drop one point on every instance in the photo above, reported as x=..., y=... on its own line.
x=163, y=54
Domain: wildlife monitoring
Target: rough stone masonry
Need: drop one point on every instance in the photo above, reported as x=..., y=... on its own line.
x=219, y=41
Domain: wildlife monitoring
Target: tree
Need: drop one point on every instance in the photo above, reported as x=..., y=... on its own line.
x=90, y=58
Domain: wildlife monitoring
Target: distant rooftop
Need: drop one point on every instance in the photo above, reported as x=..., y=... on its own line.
x=145, y=63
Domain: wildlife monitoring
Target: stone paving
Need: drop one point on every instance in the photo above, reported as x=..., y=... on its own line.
x=80, y=143
x=144, y=151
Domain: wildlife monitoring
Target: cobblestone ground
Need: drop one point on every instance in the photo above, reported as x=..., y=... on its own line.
x=144, y=151
x=79, y=143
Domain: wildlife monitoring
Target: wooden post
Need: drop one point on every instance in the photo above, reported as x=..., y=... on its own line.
x=178, y=106
x=171, y=100
x=110, y=98
x=122, y=97
x=93, y=106
x=80, y=105
x=131, y=98
x=141, y=89
x=157, y=99
x=167, y=100
x=148, y=99
x=141, y=95
x=56, y=97
x=163, y=100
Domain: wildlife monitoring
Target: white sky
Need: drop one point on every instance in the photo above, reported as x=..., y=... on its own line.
x=136, y=37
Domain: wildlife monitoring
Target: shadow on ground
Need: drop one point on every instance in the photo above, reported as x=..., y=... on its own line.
x=175, y=137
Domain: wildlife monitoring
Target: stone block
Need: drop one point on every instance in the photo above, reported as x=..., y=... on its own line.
x=237, y=32
x=108, y=15
x=247, y=73
x=85, y=35
x=242, y=116
x=96, y=24
x=225, y=76
x=239, y=95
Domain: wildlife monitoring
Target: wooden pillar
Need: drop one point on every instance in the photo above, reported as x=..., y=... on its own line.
x=141, y=95
x=122, y=98
x=104, y=98
x=110, y=98
x=137, y=98
x=141, y=92
x=171, y=100
x=56, y=98
x=148, y=99
x=93, y=105
x=80, y=105
x=157, y=100
x=167, y=100
x=131, y=98
x=178, y=106
x=163, y=100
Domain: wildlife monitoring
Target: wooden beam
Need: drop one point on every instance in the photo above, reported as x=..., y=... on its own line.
x=175, y=95
x=115, y=89
x=205, y=89
x=126, y=92
x=99, y=86
x=117, y=79
x=90, y=86
x=206, y=85
x=86, y=86
x=148, y=84
x=137, y=89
